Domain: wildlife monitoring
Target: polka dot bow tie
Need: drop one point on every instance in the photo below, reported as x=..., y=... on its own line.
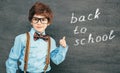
x=40, y=36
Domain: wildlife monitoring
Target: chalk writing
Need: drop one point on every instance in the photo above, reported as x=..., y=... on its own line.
x=96, y=39
x=82, y=18
x=91, y=38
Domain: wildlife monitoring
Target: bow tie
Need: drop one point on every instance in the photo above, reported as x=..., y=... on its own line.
x=40, y=36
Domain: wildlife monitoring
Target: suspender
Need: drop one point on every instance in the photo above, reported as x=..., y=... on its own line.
x=27, y=53
x=48, y=55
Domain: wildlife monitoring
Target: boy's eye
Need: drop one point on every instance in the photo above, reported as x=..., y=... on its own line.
x=36, y=19
x=43, y=19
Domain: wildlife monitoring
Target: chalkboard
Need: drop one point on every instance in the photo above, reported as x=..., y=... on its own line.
x=91, y=27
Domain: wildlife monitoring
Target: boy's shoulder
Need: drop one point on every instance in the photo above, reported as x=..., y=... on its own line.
x=21, y=36
x=52, y=39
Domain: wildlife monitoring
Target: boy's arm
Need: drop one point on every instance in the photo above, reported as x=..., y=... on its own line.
x=59, y=53
x=11, y=63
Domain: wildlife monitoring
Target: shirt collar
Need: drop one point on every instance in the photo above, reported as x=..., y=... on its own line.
x=32, y=31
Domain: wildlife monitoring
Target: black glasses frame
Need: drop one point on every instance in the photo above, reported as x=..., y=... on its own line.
x=42, y=20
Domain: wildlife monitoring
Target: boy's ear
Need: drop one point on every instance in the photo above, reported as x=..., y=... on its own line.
x=31, y=24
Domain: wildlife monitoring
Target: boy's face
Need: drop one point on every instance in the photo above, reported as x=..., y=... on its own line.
x=39, y=23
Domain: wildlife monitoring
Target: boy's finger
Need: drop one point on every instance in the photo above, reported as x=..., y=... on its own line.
x=64, y=38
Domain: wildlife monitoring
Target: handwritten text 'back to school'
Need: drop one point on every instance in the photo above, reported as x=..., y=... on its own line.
x=82, y=30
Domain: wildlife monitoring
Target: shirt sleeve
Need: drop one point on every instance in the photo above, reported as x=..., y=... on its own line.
x=11, y=63
x=58, y=54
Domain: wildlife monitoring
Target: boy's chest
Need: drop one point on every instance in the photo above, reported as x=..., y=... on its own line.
x=38, y=48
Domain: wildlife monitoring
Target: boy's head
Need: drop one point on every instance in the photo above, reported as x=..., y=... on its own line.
x=40, y=16
x=40, y=9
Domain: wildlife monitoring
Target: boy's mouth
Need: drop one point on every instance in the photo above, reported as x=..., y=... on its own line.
x=39, y=27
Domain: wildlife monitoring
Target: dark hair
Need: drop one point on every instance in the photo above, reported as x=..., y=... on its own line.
x=40, y=9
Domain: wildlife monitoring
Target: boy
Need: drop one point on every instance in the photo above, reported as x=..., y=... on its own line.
x=40, y=16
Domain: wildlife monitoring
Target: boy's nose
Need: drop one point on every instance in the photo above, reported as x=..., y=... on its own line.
x=39, y=22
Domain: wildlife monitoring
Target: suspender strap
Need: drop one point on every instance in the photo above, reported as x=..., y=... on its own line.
x=26, y=52
x=48, y=55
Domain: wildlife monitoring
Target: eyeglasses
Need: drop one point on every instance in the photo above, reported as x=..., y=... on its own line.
x=42, y=20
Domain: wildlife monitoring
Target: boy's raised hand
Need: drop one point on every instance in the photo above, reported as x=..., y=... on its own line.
x=63, y=42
